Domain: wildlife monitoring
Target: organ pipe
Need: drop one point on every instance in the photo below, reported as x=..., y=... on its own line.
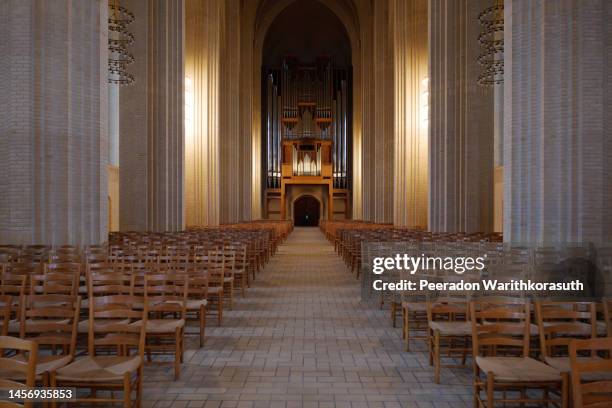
x=307, y=102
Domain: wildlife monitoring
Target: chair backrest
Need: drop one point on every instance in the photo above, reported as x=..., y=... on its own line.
x=500, y=326
x=66, y=283
x=240, y=258
x=106, y=284
x=5, y=313
x=607, y=306
x=100, y=267
x=111, y=325
x=26, y=269
x=14, y=286
x=26, y=367
x=215, y=267
x=167, y=294
x=64, y=267
x=51, y=321
x=197, y=277
x=560, y=322
x=447, y=309
x=591, y=377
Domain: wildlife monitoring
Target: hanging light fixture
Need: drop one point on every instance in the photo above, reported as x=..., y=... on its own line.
x=491, y=39
x=119, y=39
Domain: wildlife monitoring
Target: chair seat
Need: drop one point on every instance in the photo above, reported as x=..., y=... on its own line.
x=517, y=369
x=415, y=306
x=83, y=325
x=14, y=324
x=195, y=304
x=99, y=369
x=563, y=365
x=602, y=328
x=228, y=279
x=534, y=330
x=44, y=363
x=584, y=328
x=162, y=326
x=452, y=328
x=214, y=290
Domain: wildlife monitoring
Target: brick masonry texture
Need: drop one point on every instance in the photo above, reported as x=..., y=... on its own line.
x=53, y=109
x=557, y=134
x=302, y=338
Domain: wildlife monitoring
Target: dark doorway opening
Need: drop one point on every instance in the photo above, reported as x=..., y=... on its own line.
x=306, y=211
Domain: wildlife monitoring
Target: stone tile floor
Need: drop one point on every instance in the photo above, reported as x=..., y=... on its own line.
x=302, y=338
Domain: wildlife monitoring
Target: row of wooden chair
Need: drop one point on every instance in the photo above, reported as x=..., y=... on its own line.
x=129, y=308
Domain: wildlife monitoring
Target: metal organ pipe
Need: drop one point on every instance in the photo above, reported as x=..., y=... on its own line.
x=344, y=134
x=269, y=121
x=279, y=146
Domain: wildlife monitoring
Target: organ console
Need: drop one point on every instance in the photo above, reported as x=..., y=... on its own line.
x=307, y=128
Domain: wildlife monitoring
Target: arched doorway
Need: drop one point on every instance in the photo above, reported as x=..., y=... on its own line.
x=306, y=211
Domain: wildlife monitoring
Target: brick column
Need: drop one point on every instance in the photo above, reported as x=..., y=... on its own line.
x=558, y=121
x=462, y=134
x=202, y=64
x=152, y=120
x=53, y=122
x=411, y=122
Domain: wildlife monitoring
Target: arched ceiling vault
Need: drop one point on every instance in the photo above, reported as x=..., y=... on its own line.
x=347, y=11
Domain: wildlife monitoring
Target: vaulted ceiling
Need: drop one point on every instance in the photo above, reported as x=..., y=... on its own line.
x=307, y=29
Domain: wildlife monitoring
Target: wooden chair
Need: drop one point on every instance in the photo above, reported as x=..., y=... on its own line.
x=15, y=287
x=591, y=377
x=449, y=332
x=166, y=297
x=26, y=367
x=240, y=267
x=215, y=267
x=607, y=306
x=197, y=295
x=51, y=322
x=105, y=284
x=500, y=342
x=115, y=352
x=55, y=283
x=5, y=313
x=558, y=324
x=229, y=257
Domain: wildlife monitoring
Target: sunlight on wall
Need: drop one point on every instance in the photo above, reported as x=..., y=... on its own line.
x=188, y=110
x=424, y=106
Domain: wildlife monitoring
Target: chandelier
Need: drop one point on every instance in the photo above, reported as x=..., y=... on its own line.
x=491, y=39
x=119, y=39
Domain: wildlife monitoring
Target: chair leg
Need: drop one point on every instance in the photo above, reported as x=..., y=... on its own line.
x=139, y=386
x=437, y=357
x=430, y=347
x=393, y=310
x=403, y=323
x=220, y=310
x=490, y=390
x=565, y=390
x=202, y=324
x=127, y=391
x=231, y=299
x=177, y=354
x=53, y=384
x=407, y=330
x=476, y=392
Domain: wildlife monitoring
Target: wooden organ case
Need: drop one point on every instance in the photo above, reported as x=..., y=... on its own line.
x=307, y=123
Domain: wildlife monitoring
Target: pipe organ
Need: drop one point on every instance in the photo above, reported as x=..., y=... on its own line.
x=307, y=128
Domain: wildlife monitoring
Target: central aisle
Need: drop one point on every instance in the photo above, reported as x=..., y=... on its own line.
x=302, y=338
